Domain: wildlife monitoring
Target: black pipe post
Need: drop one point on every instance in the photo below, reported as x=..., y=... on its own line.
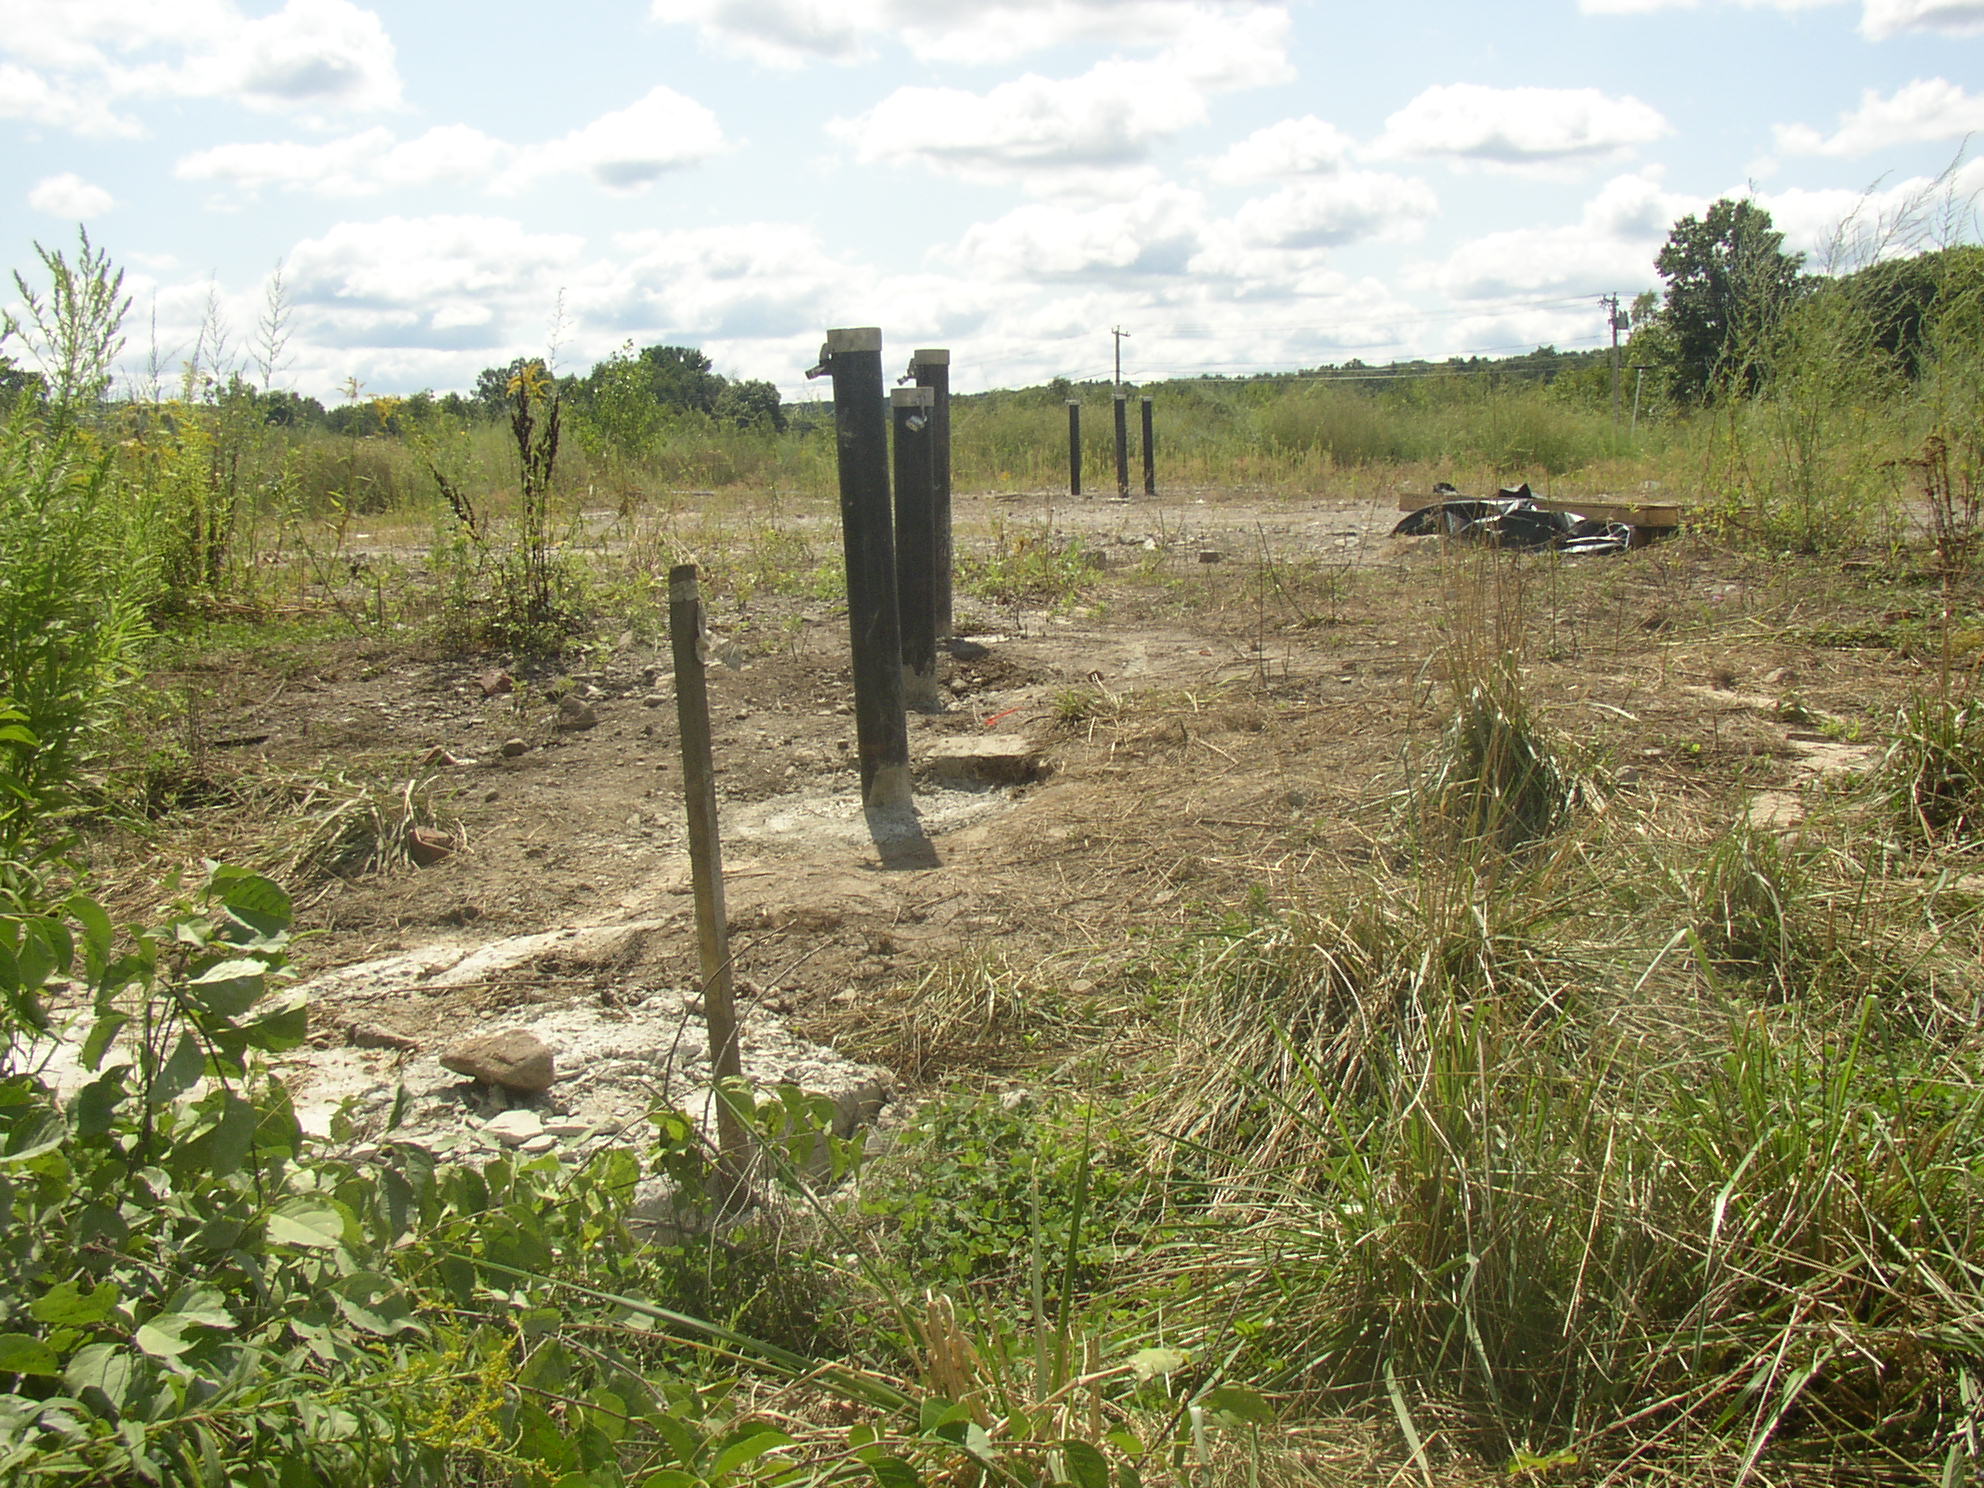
x=1074, y=447
x=1150, y=454
x=930, y=367
x=853, y=357
x=1122, y=401
x=912, y=411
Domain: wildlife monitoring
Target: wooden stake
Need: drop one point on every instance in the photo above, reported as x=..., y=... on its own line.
x=692, y=710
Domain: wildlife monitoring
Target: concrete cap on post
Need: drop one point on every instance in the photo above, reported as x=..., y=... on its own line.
x=912, y=397
x=852, y=338
x=929, y=356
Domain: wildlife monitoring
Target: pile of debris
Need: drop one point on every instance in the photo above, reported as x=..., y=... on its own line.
x=1516, y=517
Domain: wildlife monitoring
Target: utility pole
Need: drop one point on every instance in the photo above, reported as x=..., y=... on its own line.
x=1119, y=333
x=1616, y=322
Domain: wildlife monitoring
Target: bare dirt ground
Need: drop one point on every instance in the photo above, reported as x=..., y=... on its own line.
x=1222, y=711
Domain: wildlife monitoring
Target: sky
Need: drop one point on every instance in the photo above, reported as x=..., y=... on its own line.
x=426, y=188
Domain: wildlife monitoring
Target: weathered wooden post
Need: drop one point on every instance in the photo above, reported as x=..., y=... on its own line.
x=916, y=540
x=1122, y=401
x=1074, y=447
x=1150, y=454
x=930, y=367
x=692, y=711
x=853, y=357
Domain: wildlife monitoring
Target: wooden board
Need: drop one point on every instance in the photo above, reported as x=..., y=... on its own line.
x=1599, y=509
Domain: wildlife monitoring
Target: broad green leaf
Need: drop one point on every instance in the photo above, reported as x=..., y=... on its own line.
x=1086, y=1467
x=308, y=1220
x=181, y=1072
x=893, y=1472
x=253, y=903
x=750, y=1449
x=1238, y=1405
x=95, y=1106
x=95, y=924
x=229, y=989
x=103, y=1367
x=935, y=1412
x=280, y=1028
x=671, y=1477
x=204, y=1307
x=1125, y=1441
x=683, y=1441
x=67, y=1304
x=103, y=1032
x=224, y=1148
x=1151, y=1362
x=23, y=1353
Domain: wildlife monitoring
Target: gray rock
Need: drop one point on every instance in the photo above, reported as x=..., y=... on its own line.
x=575, y=716
x=515, y=1128
x=513, y=1059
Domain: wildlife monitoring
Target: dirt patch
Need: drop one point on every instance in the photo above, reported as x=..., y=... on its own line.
x=1203, y=730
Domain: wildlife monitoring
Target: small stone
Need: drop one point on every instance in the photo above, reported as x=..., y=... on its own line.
x=541, y=1143
x=515, y=1059
x=515, y=1128
x=654, y=700
x=371, y=1036
x=1779, y=677
x=513, y=747
x=439, y=755
x=496, y=683
x=1211, y=555
x=574, y=715
x=568, y=1130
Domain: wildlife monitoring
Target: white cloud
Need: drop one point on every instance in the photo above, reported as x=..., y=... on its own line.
x=1926, y=109
x=1611, y=247
x=70, y=197
x=310, y=54
x=70, y=64
x=362, y=164
x=623, y=151
x=629, y=149
x=1518, y=126
x=1641, y=7
x=1293, y=147
x=1881, y=19
x=737, y=283
x=1841, y=229
x=1156, y=233
x=29, y=96
x=1109, y=116
x=1357, y=206
x=427, y=266
x=792, y=33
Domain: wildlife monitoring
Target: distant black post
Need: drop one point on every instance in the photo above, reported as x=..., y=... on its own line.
x=853, y=357
x=1150, y=454
x=1074, y=447
x=916, y=540
x=1122, y=445
x=931, y=368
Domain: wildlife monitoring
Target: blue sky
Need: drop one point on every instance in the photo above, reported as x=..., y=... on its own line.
x=1243, y=185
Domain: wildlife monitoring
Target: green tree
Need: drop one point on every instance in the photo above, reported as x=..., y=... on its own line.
x=681, y=378
x=1729, y=281
x=751, y=405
